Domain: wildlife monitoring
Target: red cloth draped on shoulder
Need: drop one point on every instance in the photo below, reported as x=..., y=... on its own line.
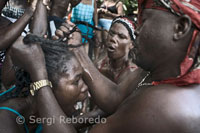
x=190, y=66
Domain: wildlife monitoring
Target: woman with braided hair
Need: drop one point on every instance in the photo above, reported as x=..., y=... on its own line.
x=64, y=71
x=167, y=98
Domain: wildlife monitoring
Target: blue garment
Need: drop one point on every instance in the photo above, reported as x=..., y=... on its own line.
x=39, y=129
x=83, y=12
x=105, y=23
x=20, y=119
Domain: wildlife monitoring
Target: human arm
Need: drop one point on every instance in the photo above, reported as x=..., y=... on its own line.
x=101, y=88
x=10, y=33
x=120, y=11
x=95, y=14
x=7, y=71
x=39, y=22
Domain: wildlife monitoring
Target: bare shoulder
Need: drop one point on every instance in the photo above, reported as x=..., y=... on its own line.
x=162, y=108
x=119, y=4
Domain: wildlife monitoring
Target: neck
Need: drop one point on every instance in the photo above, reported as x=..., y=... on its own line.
x=165, y=72
x=118, y=63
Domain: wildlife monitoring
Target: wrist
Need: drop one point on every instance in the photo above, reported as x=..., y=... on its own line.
x=29, y=10
x=39, y=75
x=36, y=86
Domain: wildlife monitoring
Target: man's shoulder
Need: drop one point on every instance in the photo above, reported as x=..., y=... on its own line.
x=164, y=108
x=173, y=95
x=178, y=105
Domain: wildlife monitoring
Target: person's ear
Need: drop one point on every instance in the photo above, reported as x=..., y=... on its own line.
x=182, y=27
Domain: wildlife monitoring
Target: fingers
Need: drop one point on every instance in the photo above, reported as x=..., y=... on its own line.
x=59, y=33
x=55, y=37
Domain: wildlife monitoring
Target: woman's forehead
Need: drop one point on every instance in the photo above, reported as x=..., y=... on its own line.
x=119, y=27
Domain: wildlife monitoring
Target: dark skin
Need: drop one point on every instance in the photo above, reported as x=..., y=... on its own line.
x=59, y=8
x=104, y=13
x=40, y=27
x=70, y=84
x=118, y=46
x=10, y=32
x=162, y=108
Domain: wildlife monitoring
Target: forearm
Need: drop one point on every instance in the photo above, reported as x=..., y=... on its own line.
x=101, y=88
x=39, y=22
x=49, y=108
x=9, y=34
x=113, y=15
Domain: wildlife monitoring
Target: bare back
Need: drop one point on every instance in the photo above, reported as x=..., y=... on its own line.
x=164, y=108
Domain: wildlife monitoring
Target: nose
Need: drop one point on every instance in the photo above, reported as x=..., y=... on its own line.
x=112, y=40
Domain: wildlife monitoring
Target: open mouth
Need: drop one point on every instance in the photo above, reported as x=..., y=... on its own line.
x=78, y=105
x=111, y=49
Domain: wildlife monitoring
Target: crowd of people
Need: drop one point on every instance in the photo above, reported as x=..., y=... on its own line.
x=143, y=76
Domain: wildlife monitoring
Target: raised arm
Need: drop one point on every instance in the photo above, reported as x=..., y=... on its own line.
x=10, y=33
x=101, y=88
x=39, y=23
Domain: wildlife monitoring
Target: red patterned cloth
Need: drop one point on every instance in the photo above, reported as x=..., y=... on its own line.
x=190, y=67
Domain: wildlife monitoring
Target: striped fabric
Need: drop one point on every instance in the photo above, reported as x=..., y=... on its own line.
x=83, y=12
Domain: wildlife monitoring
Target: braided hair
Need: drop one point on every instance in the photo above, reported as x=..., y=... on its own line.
x=56, y=55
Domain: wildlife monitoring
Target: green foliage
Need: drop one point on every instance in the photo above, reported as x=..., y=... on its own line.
x=130, y=6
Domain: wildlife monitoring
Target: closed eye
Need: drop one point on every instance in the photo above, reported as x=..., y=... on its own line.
x=76, y=80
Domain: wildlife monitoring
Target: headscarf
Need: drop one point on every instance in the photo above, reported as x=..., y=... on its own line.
x=190, y=66
x=127, y=23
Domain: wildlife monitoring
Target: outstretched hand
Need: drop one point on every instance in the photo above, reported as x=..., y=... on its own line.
x=30, y=58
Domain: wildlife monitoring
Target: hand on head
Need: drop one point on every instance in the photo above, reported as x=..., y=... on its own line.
x=30, y=58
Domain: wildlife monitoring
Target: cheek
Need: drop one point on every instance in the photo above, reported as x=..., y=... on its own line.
x=68, y=94
x=123, y=47
x=72, y=91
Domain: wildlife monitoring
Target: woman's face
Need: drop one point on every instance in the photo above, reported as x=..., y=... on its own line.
x=119, y=41
x=71, y=88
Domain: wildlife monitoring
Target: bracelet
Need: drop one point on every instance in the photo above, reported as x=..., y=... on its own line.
x=35, y=86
